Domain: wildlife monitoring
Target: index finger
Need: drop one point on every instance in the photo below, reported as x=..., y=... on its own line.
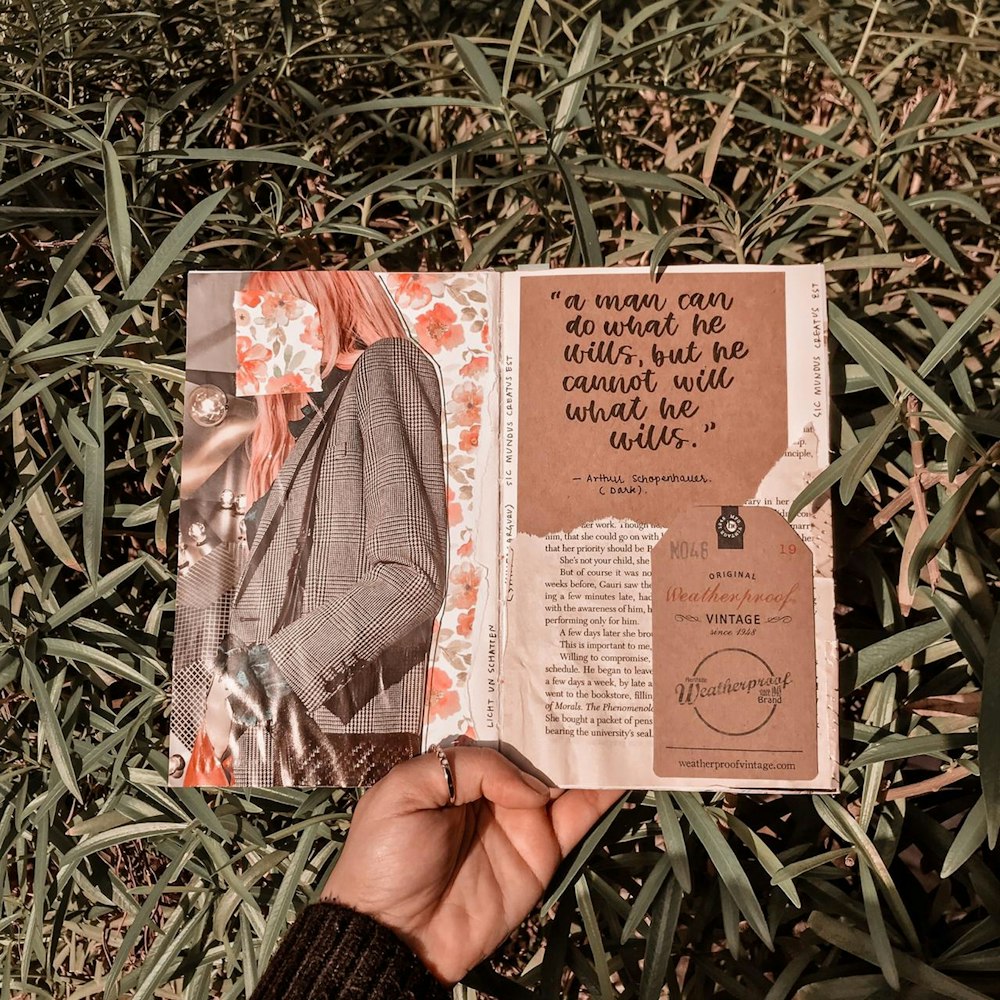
x=477, y=773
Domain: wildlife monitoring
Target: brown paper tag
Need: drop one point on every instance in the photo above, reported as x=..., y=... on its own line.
x=734, y=648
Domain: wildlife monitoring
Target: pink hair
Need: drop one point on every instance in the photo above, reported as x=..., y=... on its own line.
x=354, y=311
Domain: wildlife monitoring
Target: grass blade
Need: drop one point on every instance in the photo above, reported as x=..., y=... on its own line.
x=580, y=67
x=116, y=206
x=921, y=230
x=50, y=732
x=479, y=70
x=730, y=870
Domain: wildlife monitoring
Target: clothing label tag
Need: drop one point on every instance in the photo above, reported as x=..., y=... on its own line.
x=734, y=649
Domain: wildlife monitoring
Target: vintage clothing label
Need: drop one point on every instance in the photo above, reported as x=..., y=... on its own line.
x=734, y=648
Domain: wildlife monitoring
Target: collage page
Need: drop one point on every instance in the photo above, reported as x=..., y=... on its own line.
x=337, y=577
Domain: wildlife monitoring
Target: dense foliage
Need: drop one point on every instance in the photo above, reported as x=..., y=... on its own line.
x=141, y=140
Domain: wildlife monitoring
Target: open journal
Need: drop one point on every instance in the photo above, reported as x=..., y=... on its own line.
x=541, y=510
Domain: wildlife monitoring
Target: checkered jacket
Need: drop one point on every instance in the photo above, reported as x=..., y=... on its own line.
x=376, y=572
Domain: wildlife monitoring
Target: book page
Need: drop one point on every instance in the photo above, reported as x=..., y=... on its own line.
x=337, y=579
x=644, y=419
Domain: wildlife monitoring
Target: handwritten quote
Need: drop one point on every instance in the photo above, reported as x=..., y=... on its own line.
x=658, y=356
x=638, y=395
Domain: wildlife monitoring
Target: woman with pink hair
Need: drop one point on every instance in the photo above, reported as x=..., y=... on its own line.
x=331, y=625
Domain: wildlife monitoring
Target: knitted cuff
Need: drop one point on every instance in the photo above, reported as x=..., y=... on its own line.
x=333, y=953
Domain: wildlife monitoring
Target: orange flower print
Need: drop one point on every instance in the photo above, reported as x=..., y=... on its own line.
x=278, y=309
x=442, y=700
x=454, y=508
x=486, y=335
x=293, y=382
x=251, y=364
x=468, y=440
x=476, y=365
x=312, y=335
x=465, y=549
x=464, y=579
x=465, y=622
x=409, y=290
x=251, y=298
x=468, y=398
x=438, y=328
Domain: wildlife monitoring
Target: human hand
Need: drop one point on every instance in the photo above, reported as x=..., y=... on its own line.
x=454, y=881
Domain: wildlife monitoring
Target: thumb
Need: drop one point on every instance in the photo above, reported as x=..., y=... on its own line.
x=498, y=780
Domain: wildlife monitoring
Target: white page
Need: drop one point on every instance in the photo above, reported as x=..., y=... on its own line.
x=577, y=707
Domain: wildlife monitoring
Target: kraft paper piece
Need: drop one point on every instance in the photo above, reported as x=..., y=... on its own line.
x=734, y=648
x=653, y=395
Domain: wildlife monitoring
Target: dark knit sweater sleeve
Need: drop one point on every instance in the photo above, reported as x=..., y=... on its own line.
x=333, y=953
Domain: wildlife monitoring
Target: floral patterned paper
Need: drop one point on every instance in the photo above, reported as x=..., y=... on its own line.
x=279, y=347
x=449, y=315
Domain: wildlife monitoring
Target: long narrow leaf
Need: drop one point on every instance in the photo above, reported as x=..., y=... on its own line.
x=971, y=317
x=479, y=69
x=968, y=839
x=847, y=827
x=855, y=942
x=730, y=870
x=876, y=927
x=51, y=729
x=93, y=482
x=116, y=206
x=673, y=839
x=282, y=904
x=163, y=257
x=594, y=937
x=660, y=941
x=582, y=63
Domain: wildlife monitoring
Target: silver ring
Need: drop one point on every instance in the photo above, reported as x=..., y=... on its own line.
x=448, y=773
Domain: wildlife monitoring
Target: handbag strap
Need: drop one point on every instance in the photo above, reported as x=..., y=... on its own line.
x=299, y=566
x=265, y=540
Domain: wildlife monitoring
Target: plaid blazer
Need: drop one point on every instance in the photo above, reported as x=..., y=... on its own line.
x=375, y=578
